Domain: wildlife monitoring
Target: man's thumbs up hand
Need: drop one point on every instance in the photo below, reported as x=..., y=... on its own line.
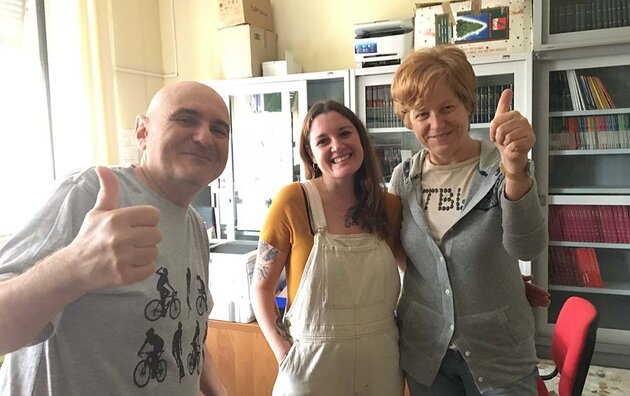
x=116, y=246
x=107, y=198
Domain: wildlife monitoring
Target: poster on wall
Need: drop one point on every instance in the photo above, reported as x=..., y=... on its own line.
x=504, y=26
x=491, y=24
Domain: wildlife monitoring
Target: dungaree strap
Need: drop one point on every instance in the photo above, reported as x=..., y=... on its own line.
x=315, y=205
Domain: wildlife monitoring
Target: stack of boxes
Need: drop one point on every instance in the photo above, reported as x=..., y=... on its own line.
x=247, y=36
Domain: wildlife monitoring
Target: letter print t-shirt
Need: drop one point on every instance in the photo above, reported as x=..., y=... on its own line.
x=444, y=191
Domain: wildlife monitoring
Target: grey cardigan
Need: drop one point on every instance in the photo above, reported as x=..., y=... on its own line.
x=468, y=289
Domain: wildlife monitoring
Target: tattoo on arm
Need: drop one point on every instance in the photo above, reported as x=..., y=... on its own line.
x=267, y=255
x=261, y=271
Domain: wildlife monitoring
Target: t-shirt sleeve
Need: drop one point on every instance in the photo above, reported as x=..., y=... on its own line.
x=282, y=217
x=51, y=228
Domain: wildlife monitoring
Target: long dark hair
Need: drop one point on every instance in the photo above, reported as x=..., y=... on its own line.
x=369, y=187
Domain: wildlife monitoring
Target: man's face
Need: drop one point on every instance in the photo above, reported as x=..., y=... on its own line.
x=185, y=137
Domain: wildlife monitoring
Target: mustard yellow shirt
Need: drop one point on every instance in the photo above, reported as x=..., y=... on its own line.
x=287, y=229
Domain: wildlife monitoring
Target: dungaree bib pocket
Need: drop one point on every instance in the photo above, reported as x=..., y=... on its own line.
x=350, y=269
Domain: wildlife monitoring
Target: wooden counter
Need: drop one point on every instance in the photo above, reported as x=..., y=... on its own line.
x=243, y=359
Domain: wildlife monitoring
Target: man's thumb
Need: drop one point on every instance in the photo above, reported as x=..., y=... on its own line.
x=107, y=198
x=504, y=102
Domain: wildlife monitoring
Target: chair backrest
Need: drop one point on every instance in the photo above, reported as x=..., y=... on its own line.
x=572, y=344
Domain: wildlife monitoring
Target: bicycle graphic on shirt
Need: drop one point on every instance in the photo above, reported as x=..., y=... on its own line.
x=146, y=369
x=168, y=301
x=151, y=365
x=194, y=358
x=155, y=309
x=202, y=300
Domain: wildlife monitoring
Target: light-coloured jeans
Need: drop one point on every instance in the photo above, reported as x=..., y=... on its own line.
x=455, y=379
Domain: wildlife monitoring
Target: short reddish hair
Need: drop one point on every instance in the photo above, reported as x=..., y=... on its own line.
x=422, y=70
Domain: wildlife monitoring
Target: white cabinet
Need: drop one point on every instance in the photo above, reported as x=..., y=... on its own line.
x=394, y=142
x=583, y=159
x=579, y=23
x=266, y=115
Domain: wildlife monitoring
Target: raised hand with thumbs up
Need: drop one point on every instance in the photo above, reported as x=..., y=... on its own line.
x=514, y=137
x=118, y=244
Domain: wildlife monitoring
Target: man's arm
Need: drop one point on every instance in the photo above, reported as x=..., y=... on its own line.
x=30, y=301
x=210, y=383
x=113, y=247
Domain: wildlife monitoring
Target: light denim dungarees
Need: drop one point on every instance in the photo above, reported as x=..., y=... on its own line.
x=342, y=318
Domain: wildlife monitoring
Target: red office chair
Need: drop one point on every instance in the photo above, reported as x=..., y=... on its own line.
x=572, y=347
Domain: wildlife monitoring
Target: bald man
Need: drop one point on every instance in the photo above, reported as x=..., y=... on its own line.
x=79, y=284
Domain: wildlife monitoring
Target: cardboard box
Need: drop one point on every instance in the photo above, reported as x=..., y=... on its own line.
x=245, y=47
x=239, y=12
x=502, y=26
x=281, y=67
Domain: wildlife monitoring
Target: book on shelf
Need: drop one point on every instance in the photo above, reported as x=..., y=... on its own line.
x=611, y=131
x=610, y=226
x=588, y=267
x=589, y=223
x=588, y=16
x=487, y=99
x=574, y=267
x=570, y=14
x=622, y=223
x=369, y=106
x=585, y=92
x=574, y=90
x=379, y=108
x=600, y=85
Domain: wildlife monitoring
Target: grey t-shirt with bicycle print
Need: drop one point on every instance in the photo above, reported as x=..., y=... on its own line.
x=93, y=346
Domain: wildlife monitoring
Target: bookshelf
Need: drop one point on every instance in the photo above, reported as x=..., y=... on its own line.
x=576, y=23
x=582, y=154
x=395, y=143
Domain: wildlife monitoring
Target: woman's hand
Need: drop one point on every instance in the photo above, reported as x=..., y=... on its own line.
x=513, y=135
x=281, y=351
x=536, y=296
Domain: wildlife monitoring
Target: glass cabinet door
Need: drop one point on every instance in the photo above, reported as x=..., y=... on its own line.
x=265, y=121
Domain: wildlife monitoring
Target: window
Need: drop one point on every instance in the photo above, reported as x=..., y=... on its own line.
x=26, y=154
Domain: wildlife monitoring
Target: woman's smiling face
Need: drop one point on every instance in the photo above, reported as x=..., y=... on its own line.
x=335, y=145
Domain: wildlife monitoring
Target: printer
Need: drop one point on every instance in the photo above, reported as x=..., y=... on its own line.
x=382, y=43
x=230, y=274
